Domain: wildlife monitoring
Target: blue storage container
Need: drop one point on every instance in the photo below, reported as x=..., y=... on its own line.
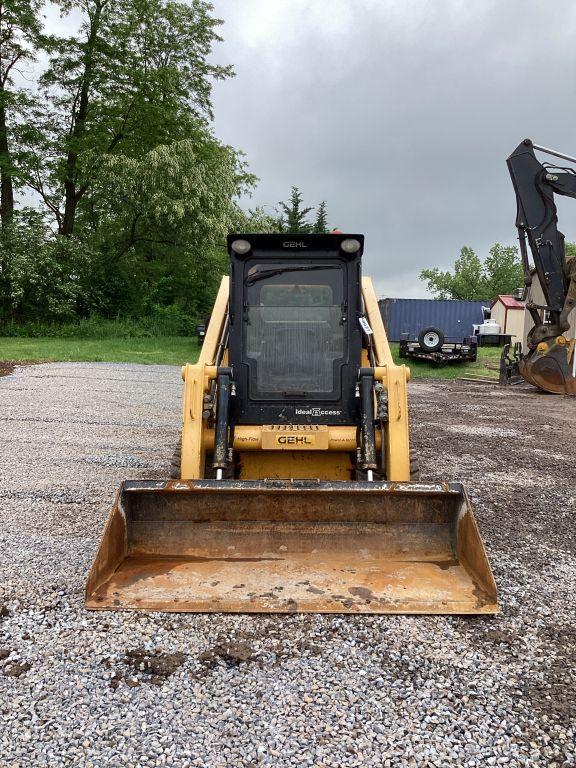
x=454, y=317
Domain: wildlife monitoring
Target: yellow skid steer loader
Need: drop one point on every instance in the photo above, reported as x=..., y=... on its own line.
x=295, y=489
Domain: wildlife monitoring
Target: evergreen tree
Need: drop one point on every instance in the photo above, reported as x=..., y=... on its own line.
x=293, y=215
x=321, y=223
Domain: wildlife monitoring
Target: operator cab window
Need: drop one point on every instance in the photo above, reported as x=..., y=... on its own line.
x=295, y=330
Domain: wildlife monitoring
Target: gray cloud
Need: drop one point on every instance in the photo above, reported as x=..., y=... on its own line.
x=399, y=114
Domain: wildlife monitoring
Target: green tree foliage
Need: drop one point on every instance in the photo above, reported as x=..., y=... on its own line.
x=135, y=194
x=45, y=277
x=165, y=218
x=135, y=76
x=19, y=37
x=257, y=220
x=570, y=250
x=293, y=216
x=501, y=272
x=320, y=226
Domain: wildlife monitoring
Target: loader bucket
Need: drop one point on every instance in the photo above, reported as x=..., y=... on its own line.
x=292, y=546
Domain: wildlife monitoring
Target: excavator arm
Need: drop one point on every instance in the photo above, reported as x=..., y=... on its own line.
x=549, y=363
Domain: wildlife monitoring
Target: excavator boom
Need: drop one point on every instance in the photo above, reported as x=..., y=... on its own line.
x=550, y=362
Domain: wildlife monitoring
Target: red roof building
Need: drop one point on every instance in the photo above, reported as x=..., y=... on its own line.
x=504, y=310
x=509, y=302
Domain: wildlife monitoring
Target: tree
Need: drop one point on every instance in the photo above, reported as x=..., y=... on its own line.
x=476, y=280
x=256, y=220
x=321, y=224
x=162, y=220
x=135, y=194
x=135, y=76
x=19, y=36
x=43, y=277
x=293, y=215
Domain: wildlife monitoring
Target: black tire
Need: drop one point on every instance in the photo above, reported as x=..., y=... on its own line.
x=176, y=461
x=431, y=339
x=414, y=467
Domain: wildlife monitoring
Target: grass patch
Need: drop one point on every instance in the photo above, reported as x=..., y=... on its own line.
x=156, y=350
x=177, y=350
x=419, y=369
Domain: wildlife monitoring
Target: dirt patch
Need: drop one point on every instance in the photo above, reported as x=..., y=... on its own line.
x=16, y=669
x=232, y=654
x=7, y=366
x=155, y=664
x=498, y=636
x=142, y=666
x=270, y=645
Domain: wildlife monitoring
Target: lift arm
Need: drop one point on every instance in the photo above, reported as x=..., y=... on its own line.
x=535, y=185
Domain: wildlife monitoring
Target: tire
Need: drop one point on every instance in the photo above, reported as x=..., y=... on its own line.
x=414, y=467
x=176, y=461
x=431, y=339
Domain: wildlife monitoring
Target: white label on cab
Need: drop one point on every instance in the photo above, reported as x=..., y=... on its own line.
x=365, y=325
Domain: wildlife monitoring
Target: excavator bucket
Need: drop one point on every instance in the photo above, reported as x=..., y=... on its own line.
x=292, y=546
x=553, y=369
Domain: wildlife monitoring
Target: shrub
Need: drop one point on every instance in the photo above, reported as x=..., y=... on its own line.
x=164, y=321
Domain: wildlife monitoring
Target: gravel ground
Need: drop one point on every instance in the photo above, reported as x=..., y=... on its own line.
x=112, y=689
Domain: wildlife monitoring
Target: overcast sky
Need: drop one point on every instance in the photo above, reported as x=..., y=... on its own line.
x=400, y=113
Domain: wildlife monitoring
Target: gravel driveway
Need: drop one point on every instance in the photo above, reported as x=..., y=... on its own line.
x=112, y=689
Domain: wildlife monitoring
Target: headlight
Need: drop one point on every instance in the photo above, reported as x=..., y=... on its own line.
x=350, y=245
x=240, y=246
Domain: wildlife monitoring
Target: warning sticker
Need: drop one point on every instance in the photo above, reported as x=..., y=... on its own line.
x=365, y=325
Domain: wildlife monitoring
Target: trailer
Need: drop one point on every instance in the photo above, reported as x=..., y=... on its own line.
x=431, y=346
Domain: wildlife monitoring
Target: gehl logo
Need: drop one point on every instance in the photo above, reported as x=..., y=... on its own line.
x=294, y=244
x=295, y=440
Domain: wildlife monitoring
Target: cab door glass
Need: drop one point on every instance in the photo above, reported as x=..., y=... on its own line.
x=295, y=339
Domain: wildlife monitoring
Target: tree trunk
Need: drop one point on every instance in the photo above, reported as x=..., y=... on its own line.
x=72, y=193
x=70, y=198
x=6, y=185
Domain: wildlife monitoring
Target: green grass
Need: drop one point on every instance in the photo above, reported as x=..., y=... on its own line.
x=420, y=369
x=177, y=350
x=167, y=350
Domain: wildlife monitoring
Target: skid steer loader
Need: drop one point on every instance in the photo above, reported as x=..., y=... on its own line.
x=296, y=491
